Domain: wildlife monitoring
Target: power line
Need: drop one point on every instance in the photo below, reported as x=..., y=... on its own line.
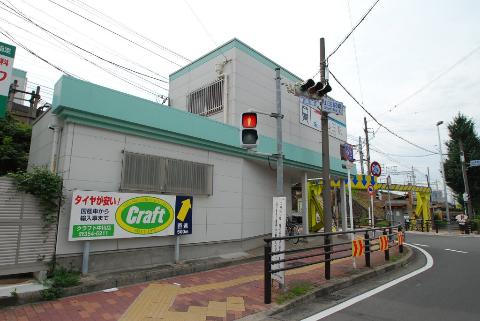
x=355, y=52
x=6, y=34
x=24, y=17
x=203, y=27
x=429, y=83
x=348, y=35
x=129, y=29
x=115, y=33
x=353, y=29
x=136, y=85
x=94, y=40
x=380, y=124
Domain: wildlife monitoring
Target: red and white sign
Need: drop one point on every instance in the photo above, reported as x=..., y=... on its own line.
x=376, y=169
x=370, y=190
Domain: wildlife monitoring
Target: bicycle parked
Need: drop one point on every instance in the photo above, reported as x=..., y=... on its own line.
x=293, y=229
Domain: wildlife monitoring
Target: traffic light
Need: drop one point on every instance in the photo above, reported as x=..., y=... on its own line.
x=249, y=135
x=312, y=90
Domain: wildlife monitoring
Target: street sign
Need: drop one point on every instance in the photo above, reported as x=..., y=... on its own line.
x=332, y=106
x=279, y=221
x=475, y=162
x=7, y=53
x=346, y=151
x=376, y=169
x=358, y=247
x=370, y=190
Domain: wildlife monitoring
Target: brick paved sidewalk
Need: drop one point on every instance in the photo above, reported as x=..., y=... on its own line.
x=222, y=294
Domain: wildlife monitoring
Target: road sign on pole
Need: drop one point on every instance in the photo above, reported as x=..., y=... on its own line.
x=370, y=190
x=7, y=54
x=376, y=169
x=474, y=162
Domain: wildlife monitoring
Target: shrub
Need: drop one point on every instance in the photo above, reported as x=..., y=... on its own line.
x=61, y=278
x=44, y=185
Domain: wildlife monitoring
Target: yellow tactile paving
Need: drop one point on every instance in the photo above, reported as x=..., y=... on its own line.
x=155, y=300
x=217, y=309
x=235, y=304
x=198, y=310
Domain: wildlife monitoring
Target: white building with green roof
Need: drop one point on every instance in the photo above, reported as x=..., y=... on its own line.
x=99, y=139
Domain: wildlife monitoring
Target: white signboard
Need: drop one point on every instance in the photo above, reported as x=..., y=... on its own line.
x=311, y=116
x=7, y=53
x=279, y=221
x=110, y=215
x=475, y=162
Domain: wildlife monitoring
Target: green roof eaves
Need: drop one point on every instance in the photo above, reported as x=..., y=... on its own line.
x=234, y=43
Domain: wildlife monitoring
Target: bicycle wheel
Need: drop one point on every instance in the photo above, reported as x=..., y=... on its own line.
x=296, y=231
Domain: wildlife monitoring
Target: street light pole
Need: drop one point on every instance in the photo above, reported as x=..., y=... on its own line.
x=442, y=170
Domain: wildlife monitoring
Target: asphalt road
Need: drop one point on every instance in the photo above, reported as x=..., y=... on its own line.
x=449, y=290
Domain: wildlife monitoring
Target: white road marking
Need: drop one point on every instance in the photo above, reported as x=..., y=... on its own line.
x=352, y=301
x=110, y=290
x=457, y=251
x=422, y=245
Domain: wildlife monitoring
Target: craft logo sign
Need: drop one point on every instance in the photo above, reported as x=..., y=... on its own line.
x=110, y=215
x=7, y=53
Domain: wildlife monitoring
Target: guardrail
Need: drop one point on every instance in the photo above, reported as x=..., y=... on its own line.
x=329, y=251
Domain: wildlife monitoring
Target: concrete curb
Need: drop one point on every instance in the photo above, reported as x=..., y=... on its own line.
x=335, y=285
x=92, y=284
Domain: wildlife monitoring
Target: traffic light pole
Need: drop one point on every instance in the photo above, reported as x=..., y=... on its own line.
x=326, y=195
x=279, y=117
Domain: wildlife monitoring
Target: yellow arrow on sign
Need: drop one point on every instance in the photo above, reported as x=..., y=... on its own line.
x=186, y=206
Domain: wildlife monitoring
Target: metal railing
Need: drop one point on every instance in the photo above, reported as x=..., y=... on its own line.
x=329, y=251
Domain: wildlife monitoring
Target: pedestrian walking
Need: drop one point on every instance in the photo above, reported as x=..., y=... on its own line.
x=462, y=221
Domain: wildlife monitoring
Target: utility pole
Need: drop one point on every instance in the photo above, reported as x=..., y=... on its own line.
x=360, y=150
x=428, y=183
x=442, y=169
x=327, y=204
x=367, y=145
x=465, y=180
x=279, y=117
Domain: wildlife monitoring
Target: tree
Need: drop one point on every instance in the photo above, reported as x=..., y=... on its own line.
x=14, y=144
x=462, y=129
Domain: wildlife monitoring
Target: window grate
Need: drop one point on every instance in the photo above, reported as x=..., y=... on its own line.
x=149, y=173
x=207, y=100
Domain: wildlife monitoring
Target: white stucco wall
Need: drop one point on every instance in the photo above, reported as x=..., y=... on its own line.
x=240, y=207
x=251, y=84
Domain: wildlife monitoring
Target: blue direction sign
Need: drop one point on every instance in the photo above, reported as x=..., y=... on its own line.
x=475, y=162
x=332, y=106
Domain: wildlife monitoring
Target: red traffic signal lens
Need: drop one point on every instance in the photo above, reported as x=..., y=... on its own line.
x=249, y=120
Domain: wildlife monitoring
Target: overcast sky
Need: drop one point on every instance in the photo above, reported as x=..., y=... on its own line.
x=400, y=47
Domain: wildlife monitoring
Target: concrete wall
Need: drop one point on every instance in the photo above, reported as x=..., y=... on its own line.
x=234, y=218
x=41, y=143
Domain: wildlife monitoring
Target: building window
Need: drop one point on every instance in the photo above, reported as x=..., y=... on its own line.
x=149, y=173
x=207, y=100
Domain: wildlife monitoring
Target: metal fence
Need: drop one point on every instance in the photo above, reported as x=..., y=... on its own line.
x=325, y=253
x=207, y=100
x=26, y=245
